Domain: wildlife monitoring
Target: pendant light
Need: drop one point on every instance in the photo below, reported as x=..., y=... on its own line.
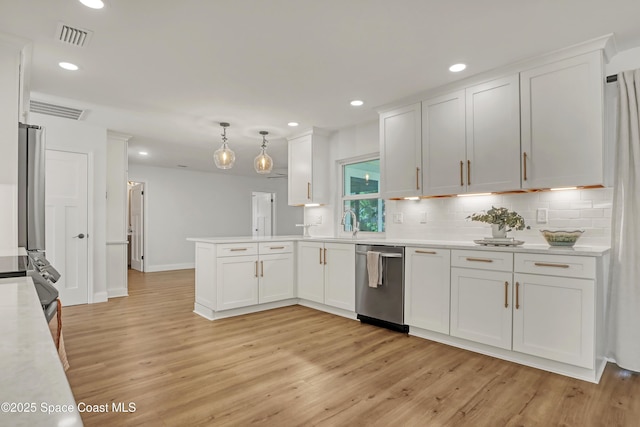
x=224, y=157
x=263, y=162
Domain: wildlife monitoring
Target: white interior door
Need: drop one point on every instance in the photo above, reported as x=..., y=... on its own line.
x=262, y=214
x=66, y=219
x=137, y=227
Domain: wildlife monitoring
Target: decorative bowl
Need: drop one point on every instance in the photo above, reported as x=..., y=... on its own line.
x=561, y=237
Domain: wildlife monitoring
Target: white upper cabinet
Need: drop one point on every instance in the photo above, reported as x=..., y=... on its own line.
x=562, y=123
x=444, y=145
x=309, y=168
x=493, y=136
x=465, y=134
x=401, y=152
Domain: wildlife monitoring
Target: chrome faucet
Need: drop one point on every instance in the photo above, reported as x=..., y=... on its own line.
x=355, y=225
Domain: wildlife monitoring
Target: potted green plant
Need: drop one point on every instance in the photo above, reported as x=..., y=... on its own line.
x=502, y=220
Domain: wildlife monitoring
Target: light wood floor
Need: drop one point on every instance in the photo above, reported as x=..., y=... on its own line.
x=298, y=367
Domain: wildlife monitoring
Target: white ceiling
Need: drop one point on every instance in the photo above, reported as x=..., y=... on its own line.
x=167, y=72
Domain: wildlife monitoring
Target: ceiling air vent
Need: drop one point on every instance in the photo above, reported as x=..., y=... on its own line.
x=55, y=110
x=73, y=35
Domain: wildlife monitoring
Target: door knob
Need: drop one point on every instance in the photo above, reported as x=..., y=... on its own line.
x=79, y=236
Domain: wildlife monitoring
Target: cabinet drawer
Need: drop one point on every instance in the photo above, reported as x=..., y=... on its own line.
x=275, y=247
x=556, y=265
x=237, y=249
x=482, y=260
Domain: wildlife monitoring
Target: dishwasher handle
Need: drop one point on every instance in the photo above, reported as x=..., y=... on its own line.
x=384, y=254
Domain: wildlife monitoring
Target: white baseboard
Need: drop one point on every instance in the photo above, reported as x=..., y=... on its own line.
x=100, y=297
x=168, y=267
x=119, y=292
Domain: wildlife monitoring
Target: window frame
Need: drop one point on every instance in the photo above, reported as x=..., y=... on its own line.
x=342, y=198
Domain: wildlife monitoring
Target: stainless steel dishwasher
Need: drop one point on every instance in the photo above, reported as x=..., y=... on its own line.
x=382, y=305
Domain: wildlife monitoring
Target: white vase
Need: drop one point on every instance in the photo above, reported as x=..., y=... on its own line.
x=497, y=232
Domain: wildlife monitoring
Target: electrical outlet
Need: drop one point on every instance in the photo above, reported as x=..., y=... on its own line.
x=542, y=215
x=398, y=218
x=423, y=218
x=318, y=220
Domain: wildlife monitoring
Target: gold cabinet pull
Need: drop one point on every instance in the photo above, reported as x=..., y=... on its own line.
x=417, y=178
x=320, y=249
x=418, y=251
x=276, y=247
x=309, y=190
x=256, y=272
x=461, y=173
x=468, y=172
x=479, y=259
x=261, y=268
x=517, y=295
x=325, y=256
x=546, y=264
x=524, y=165
x=506, y=294
x=238, y=249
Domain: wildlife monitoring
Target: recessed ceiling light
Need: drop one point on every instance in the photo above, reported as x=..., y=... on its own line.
x=93, y=4
x=68, y=66
x=293, y=124
x=356, y=103
x=143, y=153
x=456, y=68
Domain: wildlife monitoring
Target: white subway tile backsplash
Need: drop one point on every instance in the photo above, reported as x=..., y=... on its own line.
x=446, y=218
x=592, y=213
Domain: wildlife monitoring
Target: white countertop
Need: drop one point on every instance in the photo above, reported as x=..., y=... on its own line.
x=30, y=370
x=441, y=244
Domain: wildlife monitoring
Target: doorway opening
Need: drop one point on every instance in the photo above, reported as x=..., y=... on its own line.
x=135, y=232
x=263, y=214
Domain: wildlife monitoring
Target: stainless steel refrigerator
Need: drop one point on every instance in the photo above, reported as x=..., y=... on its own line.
x=31, y=188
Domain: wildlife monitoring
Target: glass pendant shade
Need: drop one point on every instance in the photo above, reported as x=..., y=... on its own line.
x=263, y=162
x=224, y=157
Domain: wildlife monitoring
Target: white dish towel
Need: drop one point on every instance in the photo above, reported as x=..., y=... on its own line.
x=374, y=268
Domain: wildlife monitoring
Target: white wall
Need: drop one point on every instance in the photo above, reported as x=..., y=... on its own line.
x=9, y=92
x=623, y=61
x=74, y=136
x=183, y=203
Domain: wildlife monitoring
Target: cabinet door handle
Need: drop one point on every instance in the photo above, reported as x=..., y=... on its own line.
x=506, y=294
x=320, y=249
x=276, y=247
x=417, y=178
x=256, y=272
x=468, y=172
x=524, y=165
x=261, y=268
x=238, y=249
x=418, y=251
x=309, y=190
x=546, y=264
x=517, y=295
x=479, y=259
x=461, y=173
x=325, y=256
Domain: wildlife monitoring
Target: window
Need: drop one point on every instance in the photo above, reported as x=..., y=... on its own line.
x=361, y=192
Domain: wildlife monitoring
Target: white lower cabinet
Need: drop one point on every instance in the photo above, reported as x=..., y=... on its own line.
x=427, y=284
x=250, y=274
x=481, y=306
x=237, y=281
x=326, y=273
x=276, y=277
x=555, y=316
